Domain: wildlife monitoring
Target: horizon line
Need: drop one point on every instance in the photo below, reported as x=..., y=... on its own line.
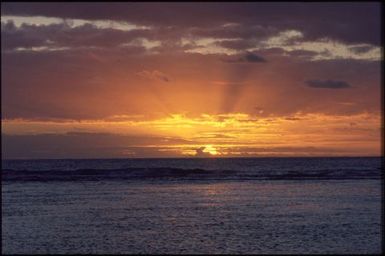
x=192, y=157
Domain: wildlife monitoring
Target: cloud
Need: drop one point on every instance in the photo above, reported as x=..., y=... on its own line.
x=246, y=58
x=341, y=24
x=200, y=153
x=251, y=57
x=328, y=84
x=301, y=53
x=154, y=75
x=88, y=35
x=86, y=145
x=293, y=118
x=36, y=33
x=361, y=48
x=237, y=44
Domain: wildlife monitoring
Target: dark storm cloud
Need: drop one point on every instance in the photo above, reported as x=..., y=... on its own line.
x=328, y=84
x=348, y=22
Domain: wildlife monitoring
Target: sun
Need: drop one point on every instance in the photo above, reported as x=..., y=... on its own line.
x=211, y=150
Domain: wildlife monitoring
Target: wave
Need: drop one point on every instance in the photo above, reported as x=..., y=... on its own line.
x=185, y=174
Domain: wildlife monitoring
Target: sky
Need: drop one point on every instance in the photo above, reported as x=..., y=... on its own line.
x=137, y=80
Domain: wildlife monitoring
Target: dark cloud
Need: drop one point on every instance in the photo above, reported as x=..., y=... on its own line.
x=361, y=49
x=237, y=44
x=248, y=33
x=238, y=34
x=328, y=84
x=251, y=57
x=12, y=37
x=302, y=53
x=62, y=35
x=200, y=153
x=293, y=118
x=246, y=58
x=85, y=145
x=345, y=21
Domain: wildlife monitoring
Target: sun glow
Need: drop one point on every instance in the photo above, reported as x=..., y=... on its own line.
x=221, y=135
x=211, y=150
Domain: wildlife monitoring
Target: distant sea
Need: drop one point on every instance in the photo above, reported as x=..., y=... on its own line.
x=192, y=205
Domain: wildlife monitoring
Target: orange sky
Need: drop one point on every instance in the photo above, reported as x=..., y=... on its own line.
x=127, y=86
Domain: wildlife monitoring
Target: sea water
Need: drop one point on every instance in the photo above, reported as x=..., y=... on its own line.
x=176, y=206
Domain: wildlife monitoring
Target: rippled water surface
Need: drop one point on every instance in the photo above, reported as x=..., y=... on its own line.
x=191, y=216
x=193, y=169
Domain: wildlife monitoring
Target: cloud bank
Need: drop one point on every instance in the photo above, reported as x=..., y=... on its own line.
x=328, y=84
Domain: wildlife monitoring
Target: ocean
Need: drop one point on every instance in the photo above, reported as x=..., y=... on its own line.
x=192, y=205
